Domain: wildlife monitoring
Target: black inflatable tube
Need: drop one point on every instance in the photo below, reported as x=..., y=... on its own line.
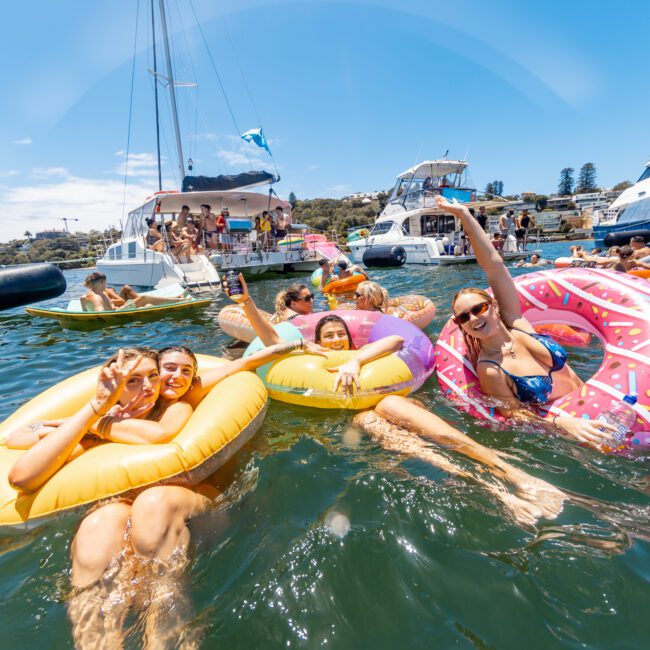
x=26, y=283
x=386, y=256
x=622, y=237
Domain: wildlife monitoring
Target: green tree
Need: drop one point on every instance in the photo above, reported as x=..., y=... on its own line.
x=292, y=200
x=587, y=178
x=498, y=188
x=566, y=184
x=623, y=185
x=489, y=189
x=28, y=234
x=541, y=201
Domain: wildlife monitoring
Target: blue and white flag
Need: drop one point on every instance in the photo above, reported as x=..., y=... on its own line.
x=256, y=136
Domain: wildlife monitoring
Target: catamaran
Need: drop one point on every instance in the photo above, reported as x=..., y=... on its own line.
x=131, y=261
x=412, y=220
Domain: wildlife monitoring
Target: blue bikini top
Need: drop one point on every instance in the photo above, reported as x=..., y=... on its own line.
x=536, y=389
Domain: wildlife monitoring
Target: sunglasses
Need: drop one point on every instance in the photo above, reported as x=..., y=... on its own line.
x=308, y=298
x=476, y=310
x=358, y=295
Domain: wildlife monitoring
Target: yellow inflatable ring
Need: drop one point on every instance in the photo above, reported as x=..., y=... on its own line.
x=205, y=443
x=346, y=284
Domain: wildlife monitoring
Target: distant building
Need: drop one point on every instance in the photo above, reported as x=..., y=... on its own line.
x=360, y=196
x=51, y=234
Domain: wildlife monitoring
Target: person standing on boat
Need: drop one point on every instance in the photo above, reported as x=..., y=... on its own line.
x=183, y=217
x=524, y=225
x=481, y=217
x=282, y=223
x=222, y=229
x=208, y=227
x=265, y=229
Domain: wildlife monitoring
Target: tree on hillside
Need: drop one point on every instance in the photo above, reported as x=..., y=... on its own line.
x=541, y=201
x=587, y=179
x=28, y=234
x=292, y=200
x=565, y=186
x=489, y=189
x=498, y=188
x=623, y=185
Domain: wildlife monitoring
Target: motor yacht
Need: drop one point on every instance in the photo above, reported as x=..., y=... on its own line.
x=411, y=218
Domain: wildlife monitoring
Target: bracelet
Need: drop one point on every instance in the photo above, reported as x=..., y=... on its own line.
x=299, y=344
x=95, y=411
x=557, y=415
x=246, y=302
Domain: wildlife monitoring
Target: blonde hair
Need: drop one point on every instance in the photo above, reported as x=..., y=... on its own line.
x=472, y=344
x=284, y=299
x=374, y=293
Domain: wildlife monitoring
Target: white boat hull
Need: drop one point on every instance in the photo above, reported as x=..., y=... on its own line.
x=255, y=263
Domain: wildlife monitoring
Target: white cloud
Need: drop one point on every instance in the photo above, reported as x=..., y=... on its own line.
x=239, y=159
x=97, y=204
x=23, y=141
x=312, y=168
x=143, y=165
x=49, y=172
x=339, y=190
x=10, y=172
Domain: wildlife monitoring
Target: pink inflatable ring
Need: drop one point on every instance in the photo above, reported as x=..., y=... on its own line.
x=614, y=307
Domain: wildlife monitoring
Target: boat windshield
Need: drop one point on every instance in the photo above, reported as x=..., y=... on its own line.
x=414, y=193
x=382, y=227
x=636, y=212
x=645, y=175
x=136, y=223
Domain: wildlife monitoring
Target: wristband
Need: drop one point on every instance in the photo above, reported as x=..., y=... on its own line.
x=557, y=415
x=95, y=411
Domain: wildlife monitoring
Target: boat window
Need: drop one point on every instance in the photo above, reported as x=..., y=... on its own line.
x=645, y=175
x=437, y=224
x=639, y=211
x=131, y=249
x=382, y=227
x=406, y=227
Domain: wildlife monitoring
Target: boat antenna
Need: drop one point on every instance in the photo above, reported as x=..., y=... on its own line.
x=155, y=86
x=172, y=92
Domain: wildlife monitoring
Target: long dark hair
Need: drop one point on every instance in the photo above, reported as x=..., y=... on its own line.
x=333, y=318
x=183, y=350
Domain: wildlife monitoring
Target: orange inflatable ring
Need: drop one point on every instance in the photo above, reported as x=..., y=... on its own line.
x=346, y=284
x=640, y=273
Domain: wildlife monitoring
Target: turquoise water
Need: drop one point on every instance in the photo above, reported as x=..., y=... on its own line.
x=428, y=561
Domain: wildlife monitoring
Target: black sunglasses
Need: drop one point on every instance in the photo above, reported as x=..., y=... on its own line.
x=358, y=295
x=308, y=298
x=476, y=310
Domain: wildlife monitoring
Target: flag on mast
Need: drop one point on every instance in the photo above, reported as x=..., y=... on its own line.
x=256, y=136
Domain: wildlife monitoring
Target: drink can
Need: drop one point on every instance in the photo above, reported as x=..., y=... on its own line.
x=233, y=284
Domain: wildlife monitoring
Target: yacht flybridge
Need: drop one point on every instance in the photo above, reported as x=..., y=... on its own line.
x=411, y=218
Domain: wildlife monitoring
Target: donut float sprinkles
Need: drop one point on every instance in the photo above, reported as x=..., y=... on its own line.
x=614, y=307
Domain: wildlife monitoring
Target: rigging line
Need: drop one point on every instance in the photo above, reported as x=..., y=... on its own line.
x=128, y=138
x=155, y=87
x=216, y=72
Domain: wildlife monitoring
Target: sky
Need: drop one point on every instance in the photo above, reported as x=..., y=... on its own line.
x=349, y=95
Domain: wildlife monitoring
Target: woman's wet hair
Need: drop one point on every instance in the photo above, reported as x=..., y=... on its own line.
x=333, y=318
x=284, y=299
x=132, y=353
x=91, y=278
x=374, y=293
x=625, y=252
x=472, y=344
x=183, y=350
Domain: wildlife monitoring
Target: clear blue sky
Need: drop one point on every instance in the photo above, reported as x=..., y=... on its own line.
x=349, y=94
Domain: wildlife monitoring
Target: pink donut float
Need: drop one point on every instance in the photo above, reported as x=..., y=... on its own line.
x=614, y=307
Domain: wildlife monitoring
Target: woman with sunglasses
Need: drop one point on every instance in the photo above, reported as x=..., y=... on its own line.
x=371, y=296
x=514, y=364
x=296, y=300
x=331, y=333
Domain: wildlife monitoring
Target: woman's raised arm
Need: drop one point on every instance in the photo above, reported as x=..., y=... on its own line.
x=490, y=261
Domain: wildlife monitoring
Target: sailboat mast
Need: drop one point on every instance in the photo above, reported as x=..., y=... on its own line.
x=155, y=86
x=172, y=91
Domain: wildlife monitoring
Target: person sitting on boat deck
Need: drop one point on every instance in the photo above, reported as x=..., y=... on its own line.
x=371, y=296
x=295, y=300
x=154, y=239
x=641, y=249
x=99, y=297
x=331, y=333
x=178, y=246
x=282, y=223
x=535, y=260
x=497, y=242
x=514, y=364
x=208, y=227
x=183, y=217
x=142, y=397
x=190, y=233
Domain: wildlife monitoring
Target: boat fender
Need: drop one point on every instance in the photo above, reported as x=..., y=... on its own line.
x=384, y=256
x=26, y=283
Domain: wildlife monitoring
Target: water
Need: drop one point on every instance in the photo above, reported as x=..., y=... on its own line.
x=323, y=539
